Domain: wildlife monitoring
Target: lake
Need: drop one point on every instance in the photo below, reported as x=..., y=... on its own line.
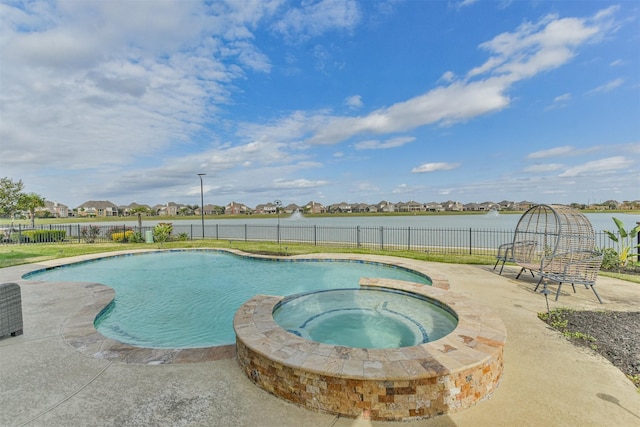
x=599, y=221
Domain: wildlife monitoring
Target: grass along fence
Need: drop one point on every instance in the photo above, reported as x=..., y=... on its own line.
x=452, y=241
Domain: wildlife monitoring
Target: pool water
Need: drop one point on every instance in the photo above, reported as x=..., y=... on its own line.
x=187, y=299
x=364, y=318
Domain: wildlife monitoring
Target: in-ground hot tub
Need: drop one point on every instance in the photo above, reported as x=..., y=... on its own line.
x=365, y=317
x=398, y=382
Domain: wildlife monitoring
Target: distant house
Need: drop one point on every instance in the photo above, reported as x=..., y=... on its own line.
x=433, y=207
x=235, y=208
x=385, y=206
x=55, y=209
x=489, y=206
x=266, y=208
x=158, y=209
x=209, y=210
x=411, y=206
x=97, y=208
x=291, y=208
x=452, y=206
x=506, y=205
x=170, y=209
x=342, y=207
x=524, y=205
x=360, y=208
x=314, y=208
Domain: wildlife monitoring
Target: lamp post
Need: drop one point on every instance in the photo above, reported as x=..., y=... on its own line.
x=202, y=202
x=278, y=203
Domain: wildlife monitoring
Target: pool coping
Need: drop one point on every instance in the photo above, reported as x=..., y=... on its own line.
x=79, y=331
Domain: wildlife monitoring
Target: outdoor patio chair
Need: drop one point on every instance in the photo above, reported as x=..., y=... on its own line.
x=576, y=267
x=512, y=252
x=10, y=310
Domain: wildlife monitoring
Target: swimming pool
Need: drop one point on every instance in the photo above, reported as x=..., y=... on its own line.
x=187, y=299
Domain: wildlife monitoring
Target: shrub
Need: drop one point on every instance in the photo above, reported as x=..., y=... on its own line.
x=118, y=231
x=39, y=236
x=90, y=233
x=610, y=259
x=182, y=237
x=162, y=232
x=136, y=237
x=625, y=241
x=119, y=236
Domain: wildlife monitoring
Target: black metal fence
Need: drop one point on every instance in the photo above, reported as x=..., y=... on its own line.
x=454, y=241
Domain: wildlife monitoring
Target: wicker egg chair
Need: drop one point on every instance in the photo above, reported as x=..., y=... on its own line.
x=557, y=242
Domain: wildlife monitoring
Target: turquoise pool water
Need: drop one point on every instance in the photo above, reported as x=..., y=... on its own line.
x=187, y=299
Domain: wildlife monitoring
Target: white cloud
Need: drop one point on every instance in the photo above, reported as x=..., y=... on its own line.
x=448, y=77
x=465, y=3
x=562, y=98
x=614, y=164
x=543, y=168
x=299, y=183
x=354, y=101
x=87, y=78
x=531, y=49
x=566, y=150
x=434, y=167
x=313, y=18
x=559, y=101
x=402, y=189
x=389, y=143
x=445, y=105
x=607, y=87
x=536, y=47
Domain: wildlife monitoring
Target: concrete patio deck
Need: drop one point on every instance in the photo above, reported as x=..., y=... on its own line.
x=46, y=381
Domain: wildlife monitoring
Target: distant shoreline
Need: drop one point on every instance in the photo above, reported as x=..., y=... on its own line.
x=46, y=221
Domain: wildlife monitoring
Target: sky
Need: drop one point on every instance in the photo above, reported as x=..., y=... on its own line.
x=321, y=100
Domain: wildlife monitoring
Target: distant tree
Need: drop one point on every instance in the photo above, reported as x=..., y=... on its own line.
x=29, y=202
x=139, y=210
x=10, y=192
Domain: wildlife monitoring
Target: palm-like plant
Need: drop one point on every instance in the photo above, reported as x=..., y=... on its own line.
x=139, y=210
x=624, y=240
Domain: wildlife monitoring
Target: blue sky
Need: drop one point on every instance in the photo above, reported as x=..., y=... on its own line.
x=324, y=100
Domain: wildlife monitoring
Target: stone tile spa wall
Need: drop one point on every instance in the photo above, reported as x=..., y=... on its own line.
x=405, y=383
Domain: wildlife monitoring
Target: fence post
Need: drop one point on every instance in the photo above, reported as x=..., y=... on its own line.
x=79, y=236
x=245, y=232
x=382, y=237
x=408, y=238
x=638, y=247
x=357, y=236
x=470, y=241
x=217, y=232
x=315, y=235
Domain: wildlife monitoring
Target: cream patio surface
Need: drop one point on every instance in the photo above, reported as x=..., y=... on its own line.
x=46, y=381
